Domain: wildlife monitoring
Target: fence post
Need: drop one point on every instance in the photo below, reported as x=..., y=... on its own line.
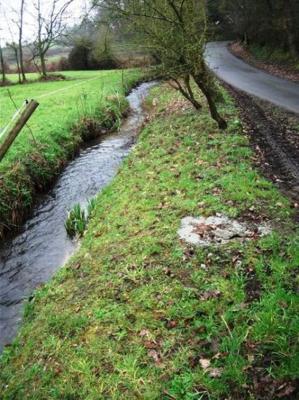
x=17, y=126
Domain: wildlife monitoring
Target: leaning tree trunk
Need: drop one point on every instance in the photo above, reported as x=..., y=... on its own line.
x=186, y=90
x=211, y=102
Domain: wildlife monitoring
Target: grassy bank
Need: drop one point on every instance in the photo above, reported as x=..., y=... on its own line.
x=138, y=314
x=70, y=111
x=274, y=55
x=272, y=60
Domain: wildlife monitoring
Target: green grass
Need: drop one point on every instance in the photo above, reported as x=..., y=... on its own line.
x=69, y=111
x=135, y=315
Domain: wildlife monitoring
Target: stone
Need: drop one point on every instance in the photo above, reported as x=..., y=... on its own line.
x=219, y=229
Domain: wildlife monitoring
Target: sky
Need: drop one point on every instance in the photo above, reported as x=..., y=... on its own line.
x=8, y=14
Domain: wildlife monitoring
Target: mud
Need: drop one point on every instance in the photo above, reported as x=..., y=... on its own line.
x=274, y=135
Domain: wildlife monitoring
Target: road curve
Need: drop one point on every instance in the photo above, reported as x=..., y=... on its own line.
x=242, y=76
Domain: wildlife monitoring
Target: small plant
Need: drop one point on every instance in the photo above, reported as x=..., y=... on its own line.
x=78, y=218
x=76, y=221
x=91, y=206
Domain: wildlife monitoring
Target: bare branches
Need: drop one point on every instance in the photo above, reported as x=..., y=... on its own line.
x=175, y=33
x=50, y=27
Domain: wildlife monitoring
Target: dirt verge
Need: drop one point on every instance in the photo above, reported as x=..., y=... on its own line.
x=274, y=135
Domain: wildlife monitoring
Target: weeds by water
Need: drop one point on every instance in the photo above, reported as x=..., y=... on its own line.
x=78, y=217
x=76, y=221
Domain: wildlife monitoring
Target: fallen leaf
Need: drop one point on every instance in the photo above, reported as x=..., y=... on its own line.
x=205, y=363
x=155, y=356
x=215, y=372
x=171, y=324
x=285, y=390
x=210, y=294
x=144, y=332
x=150, y=344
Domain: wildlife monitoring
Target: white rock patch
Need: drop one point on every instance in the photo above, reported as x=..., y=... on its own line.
x=218, y=229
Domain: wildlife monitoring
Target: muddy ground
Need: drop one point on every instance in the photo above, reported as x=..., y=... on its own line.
x=274, y=135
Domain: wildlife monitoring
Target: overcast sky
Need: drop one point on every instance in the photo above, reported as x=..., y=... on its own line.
x=7, y=13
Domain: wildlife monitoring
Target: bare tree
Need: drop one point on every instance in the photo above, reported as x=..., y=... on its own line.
x=20, y=43
x=50, y=27
x=18, y=21
x=13, y=45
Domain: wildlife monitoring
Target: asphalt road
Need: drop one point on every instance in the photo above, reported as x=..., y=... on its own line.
x=242, y=76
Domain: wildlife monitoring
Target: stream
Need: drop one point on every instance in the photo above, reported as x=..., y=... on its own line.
x=36, y=253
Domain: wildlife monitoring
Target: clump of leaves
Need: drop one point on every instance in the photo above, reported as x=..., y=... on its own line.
x=78, y=218
x=76, y=221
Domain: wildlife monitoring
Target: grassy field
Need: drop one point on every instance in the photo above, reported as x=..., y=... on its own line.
x=69, y=111
x=137, y=313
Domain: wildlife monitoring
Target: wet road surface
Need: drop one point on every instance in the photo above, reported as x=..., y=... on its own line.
x=242, y=76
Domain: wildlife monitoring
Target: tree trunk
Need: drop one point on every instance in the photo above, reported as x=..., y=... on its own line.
x=2, y=66
x=21, y=61
x=18, y=64
x=20, y=41
x=186, y=91
x=212, y=105
x=41, y=48
x=289, y=25
x=43, y=64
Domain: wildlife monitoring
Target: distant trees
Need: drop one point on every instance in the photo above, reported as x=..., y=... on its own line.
x=174, y=32
x=92, y=44
x=89, y=54
x=16, y=43
x=79, y=57
x=265, y=22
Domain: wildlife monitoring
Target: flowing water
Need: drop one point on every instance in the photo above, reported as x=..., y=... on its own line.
x=32, y=257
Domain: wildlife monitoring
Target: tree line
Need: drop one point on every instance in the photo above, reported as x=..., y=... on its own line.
x=48, y=25
x=272, y=23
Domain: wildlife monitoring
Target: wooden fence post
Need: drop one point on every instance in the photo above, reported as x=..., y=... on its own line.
x=17, y=126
